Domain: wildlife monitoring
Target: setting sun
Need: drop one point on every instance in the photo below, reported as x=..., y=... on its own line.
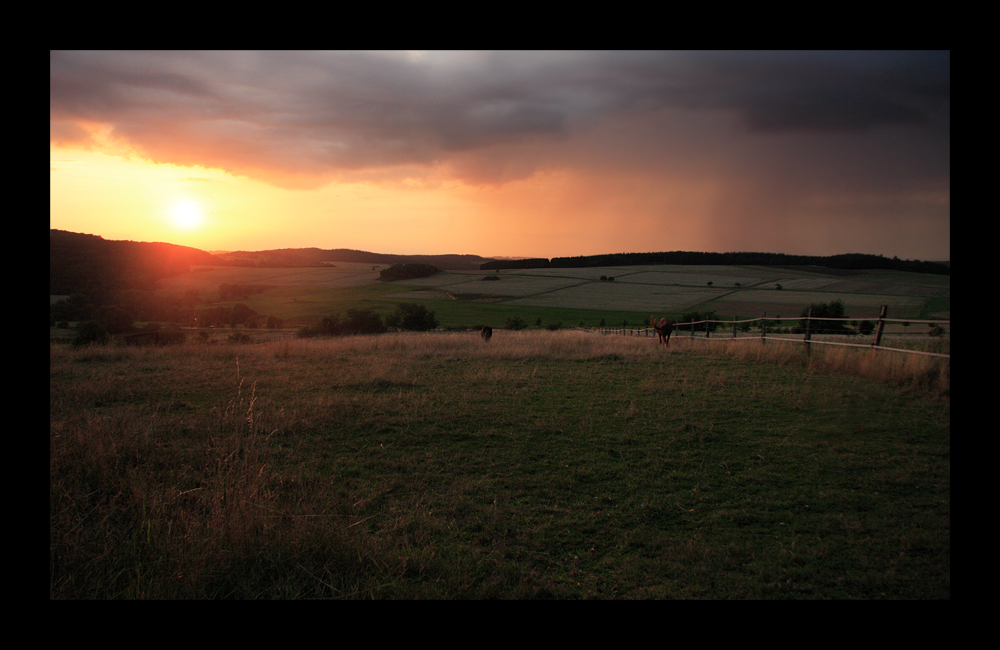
x=186, y=214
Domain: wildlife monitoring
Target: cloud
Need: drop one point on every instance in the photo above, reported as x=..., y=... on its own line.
x=302, y=119
x=822, y=91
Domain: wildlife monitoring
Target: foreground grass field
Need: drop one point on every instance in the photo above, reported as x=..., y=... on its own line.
x=540, y=465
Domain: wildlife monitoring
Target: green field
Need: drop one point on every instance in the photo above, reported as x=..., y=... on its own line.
x=541, y=465
x=303, y=296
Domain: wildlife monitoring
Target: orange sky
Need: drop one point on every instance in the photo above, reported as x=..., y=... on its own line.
x=506, y=154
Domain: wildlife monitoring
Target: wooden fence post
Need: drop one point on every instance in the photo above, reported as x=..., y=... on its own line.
x=763, y=328
x=734, y=326
x=808, y=323
x=692, y=327
x=878, y=328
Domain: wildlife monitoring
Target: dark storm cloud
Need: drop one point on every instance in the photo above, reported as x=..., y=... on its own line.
x=320, y=112
x=823, y=91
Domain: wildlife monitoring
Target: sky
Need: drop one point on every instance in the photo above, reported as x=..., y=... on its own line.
x=506, y=153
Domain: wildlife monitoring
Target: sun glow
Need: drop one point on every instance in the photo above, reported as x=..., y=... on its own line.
x=186, y=215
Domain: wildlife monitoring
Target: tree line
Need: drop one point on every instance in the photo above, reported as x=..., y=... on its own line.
x=850, y=261
x=408, y=317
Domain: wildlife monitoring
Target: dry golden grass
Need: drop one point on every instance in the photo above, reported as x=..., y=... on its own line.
x=911, y=371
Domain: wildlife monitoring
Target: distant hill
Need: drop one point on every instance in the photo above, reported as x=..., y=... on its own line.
x=319, y=257
x=79, y=262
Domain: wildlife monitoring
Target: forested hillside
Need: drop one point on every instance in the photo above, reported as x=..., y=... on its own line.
x=286, y=257
x=79, y=263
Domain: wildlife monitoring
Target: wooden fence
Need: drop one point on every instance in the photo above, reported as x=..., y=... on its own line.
x=688, y=329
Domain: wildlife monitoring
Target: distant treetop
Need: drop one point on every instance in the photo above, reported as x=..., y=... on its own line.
x=406, y=272
x=851, y=261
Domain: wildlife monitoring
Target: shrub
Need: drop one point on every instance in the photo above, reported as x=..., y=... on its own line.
x=363, y=321
x=515, y=323
x=822, y=310
x=89, y=332
x=358, y=321
x=412, y=317
x=241, y=314
x=554, y=326
x=307, y=331
x=406, y=272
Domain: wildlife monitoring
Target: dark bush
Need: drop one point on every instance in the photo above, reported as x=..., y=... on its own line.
x=241, y=314
x=406, y=272
x=822, y=310
x=358, y=321
x=412, y=317
x=89, y=332
x=516, y=323
x=363, y=321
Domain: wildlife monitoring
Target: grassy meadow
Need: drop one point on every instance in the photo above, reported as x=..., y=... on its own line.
x=563, y=465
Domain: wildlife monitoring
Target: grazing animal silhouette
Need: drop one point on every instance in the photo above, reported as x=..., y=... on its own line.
x=486, y=333
x=663, y=328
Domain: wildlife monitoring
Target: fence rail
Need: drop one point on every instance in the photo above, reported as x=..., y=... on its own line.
x=807, y=339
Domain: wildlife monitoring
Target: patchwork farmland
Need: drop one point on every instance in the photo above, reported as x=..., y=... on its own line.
x=728, y=291
x=574, y=295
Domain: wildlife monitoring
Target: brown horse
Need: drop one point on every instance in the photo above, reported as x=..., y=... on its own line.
x=486, y=333
x=663, y=328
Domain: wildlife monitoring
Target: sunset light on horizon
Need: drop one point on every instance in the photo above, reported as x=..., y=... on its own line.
x=514, y=154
